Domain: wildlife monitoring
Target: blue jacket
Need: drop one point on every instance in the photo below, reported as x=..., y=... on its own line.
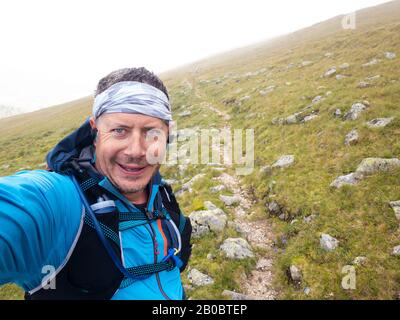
x=41, y=216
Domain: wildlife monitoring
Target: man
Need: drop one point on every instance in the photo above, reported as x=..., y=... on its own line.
x=100, y=223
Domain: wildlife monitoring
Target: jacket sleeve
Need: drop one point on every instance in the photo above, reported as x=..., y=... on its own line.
x=40, y=215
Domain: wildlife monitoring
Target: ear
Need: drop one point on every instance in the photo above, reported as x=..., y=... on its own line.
x=94, y=130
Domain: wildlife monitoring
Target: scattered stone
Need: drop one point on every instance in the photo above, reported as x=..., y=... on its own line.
x=355, y=111
x=360, y=261
x=284, y=161
x=288, y=83
x=317, y=99
x=185, y=113
x=267, y=90
x=204, y=221
x=235, y=295
x=351, y=138
x=331, y=71
x=229, y=200
x=218, y=188
x=349, y=179
x=209, y=205
x=310, y=117
x=379, y=122
x=309, y=218
x=390, y=55
x=188, y=185
x=328, y=243
x=344, y=66
x=245, y=98
x=371, y=63
x=274, y=208
x=210, y=256
x=295, y=274
x=307, y=291
x=329, y=55
x=340, y=77
x=306, y=63
x=5, y=166
x=328, y=93
x=374, y=165
x=237, y=248
x=396, y=208
x=363, y=85
x=337, y=113
x=372, y=78
x=198, y=278
x=396, y=251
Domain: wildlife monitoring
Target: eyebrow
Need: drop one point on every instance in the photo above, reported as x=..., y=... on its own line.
x=120, y=125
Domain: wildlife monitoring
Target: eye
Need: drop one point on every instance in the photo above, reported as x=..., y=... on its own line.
x=119, y=131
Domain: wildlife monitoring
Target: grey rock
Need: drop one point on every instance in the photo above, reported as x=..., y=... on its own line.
x=351, y=138
x=390, y=55
x=309, y=218
x=349, y=179
x=360, y=261
x=374, y=165
x=274, y=208
x=307, y=290
x=188, y=185
x=217, y=189
x=395, y=205
x=209, y=205
x=340, y=77
x=185, y=113
x=329, y=54
x=295, y=274
x=379, y=122
x=210, y=256
x=284, y=161
x=371, y=63
x=310, y=117
x=267, y=90
x=306, y=63
x=337, y=113
x=372, y=78
x=330, y=72
x=396, y=251
x=237, y=248
x=344, y=66
x=317, y=99
x=198, y=278
x=363, y=85
x=328, y=243
x=229, y=200
x=355, y=111
x=204, y=221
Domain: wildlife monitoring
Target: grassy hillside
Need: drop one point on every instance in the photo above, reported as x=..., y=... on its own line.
x=358, y=216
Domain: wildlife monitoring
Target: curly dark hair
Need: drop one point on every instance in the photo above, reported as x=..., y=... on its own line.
x=130, y=74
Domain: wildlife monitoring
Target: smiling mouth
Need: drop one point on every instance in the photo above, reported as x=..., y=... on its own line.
x=132, y=170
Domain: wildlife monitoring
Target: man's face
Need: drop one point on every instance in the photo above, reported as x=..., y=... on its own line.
x=126, y=145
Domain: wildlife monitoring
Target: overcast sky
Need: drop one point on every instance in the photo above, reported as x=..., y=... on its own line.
x=56, y=51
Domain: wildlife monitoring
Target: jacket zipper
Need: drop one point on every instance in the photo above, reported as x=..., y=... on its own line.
x=155, y=246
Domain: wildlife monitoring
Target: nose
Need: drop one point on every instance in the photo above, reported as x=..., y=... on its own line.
x=135, y=146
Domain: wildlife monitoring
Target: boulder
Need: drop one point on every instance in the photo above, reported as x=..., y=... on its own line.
x=330, y=72
x=295, y=274
x=310, y=117
x=363, y=85
x=229, y=200
x=328, y=243
x=204, y=221
x=349, y=179
x=371, y=63
x=379, y=122
x=306, y=63
x=396, y=251
x=237, y=248
x=274, y=208
x=344, y=66
x=351, y=138
x=337, y=113
x=198, y=278
x=284, y=161
x=340, y=77
x=395, y=205
x=235, y=295
x=390, y=55
x=355, y=111
x=217, y=189
x=374, y=165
